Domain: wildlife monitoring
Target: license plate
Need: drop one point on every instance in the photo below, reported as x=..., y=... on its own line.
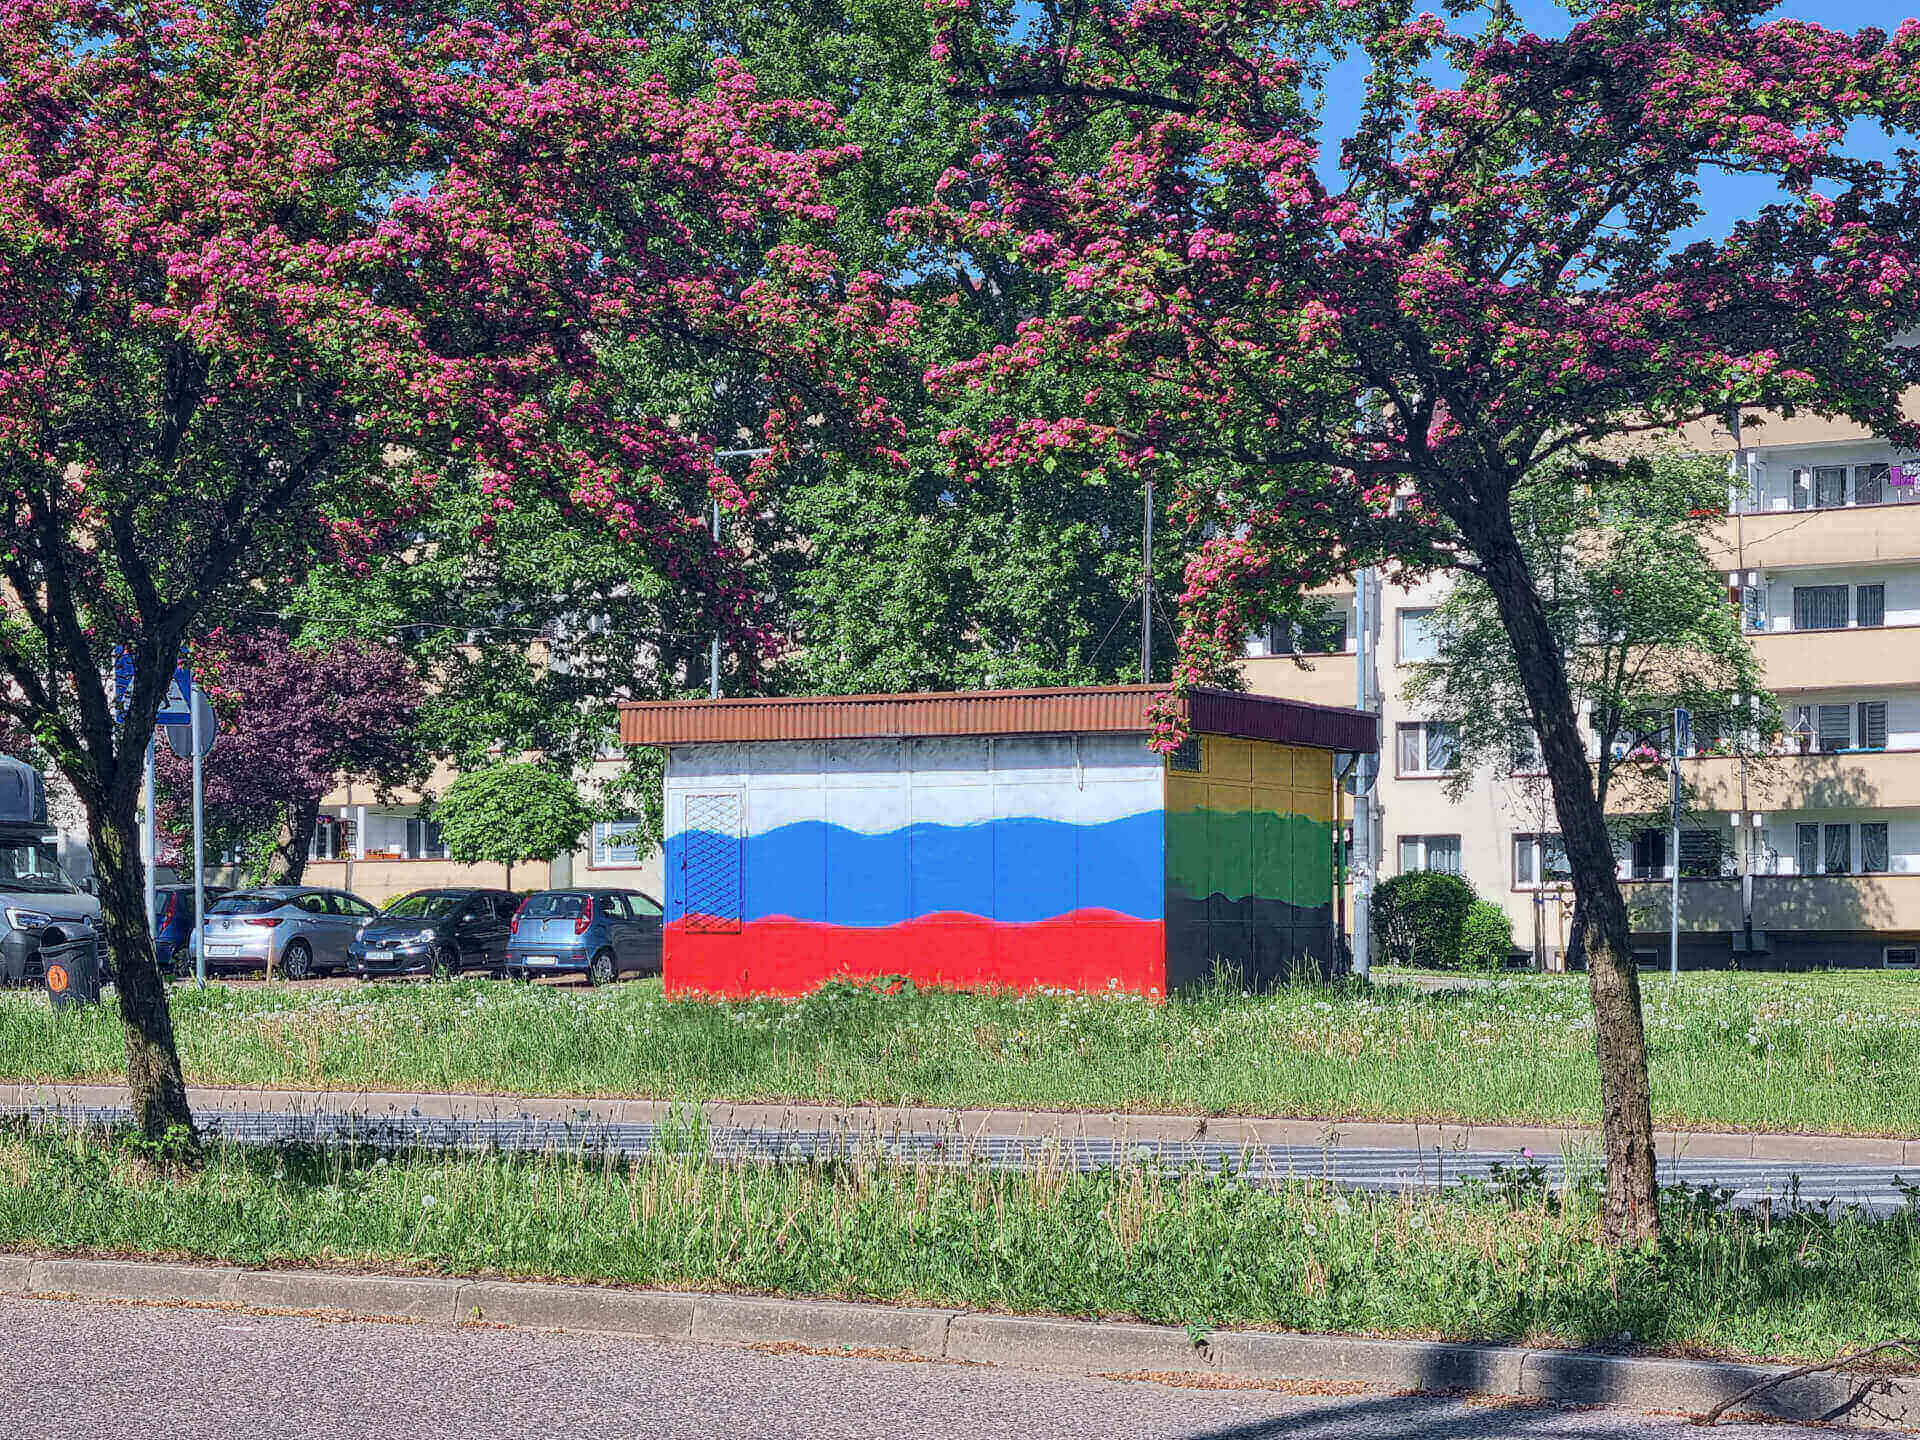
x=379, y=954
x=542, y=959
x=224, y=950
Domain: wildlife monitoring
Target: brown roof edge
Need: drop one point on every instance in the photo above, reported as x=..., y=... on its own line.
x=1078, y=710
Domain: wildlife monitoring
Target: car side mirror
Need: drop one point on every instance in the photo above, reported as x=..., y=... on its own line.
x=90, y=886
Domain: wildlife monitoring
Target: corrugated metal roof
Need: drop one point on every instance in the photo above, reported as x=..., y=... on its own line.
x=1079, y=710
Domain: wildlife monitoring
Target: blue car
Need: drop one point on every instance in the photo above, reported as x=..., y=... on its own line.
x=602, y=934
x=173, y=925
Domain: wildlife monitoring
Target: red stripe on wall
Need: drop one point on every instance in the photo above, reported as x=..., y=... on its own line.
x=1083, y=950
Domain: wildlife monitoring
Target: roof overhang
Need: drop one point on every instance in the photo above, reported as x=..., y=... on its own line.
x=1080, y=710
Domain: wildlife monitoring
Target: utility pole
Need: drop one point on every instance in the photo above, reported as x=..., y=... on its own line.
x=1366, y=616
x=1146, y=588
x=1682, y=727
x=148, y=836
x=713, y=652
x=713, y=647
x=197, y=738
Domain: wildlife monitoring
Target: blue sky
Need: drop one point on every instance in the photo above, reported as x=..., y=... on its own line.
x=1725, y=197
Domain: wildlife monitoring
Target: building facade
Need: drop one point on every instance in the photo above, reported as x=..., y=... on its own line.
x=1808, y=856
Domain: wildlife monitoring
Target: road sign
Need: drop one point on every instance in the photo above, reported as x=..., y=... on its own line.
x=180, y=737
x=176, y=708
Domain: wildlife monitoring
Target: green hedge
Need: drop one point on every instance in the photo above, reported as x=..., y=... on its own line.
x=1420, y=918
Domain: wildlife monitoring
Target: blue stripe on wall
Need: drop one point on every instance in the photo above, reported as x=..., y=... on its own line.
x=1016, y=870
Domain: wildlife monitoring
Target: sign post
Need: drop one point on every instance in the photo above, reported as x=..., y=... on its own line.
x=198, y=740
x=1682, y=742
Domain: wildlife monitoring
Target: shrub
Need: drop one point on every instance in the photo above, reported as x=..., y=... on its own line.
x=1418, y=918
x=1486, y=937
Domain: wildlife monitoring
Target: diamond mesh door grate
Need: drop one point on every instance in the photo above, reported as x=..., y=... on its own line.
x=711, y=862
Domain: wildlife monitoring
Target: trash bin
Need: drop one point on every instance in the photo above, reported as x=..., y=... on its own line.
x=72, y=972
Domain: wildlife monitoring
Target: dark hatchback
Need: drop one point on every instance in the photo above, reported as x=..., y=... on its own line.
x=173, y=925
x=436, y=932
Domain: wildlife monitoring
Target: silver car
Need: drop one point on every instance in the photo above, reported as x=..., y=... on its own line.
x=298, y=930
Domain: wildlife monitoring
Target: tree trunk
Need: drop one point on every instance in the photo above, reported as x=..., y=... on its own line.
x=296, y=841
x=1631, y=1212
x=155, y=1084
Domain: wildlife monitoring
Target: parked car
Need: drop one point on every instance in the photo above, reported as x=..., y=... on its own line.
x=173, y=925
x=599, y=933
x=436, y=932
x=39, y=904
x=301, y=930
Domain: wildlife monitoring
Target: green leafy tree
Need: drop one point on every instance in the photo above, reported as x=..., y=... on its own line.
x=1641, y=613
x=1618, y=551
x=511, y=812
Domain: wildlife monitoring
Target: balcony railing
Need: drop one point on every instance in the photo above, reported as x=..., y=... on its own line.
x=1783, y=904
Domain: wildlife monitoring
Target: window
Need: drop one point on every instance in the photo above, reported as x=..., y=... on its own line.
x=1186, y=756
x=1870, y=606
x=1702, y=853
x=617, y=842
x=1835, y=727
x=506, y=906
x=1539, y=860
x=1755, y=597
x=1527, y=759
x=1430, y=852
x=1802, y=489
x=1873, y=848
x=329, y=839
x=1807, y=843
x=1839, y=849
x=313, y=904
x=1819, y=607
x=615, y=906
x=1869, y=484
x=1649, y=860
x=1416, y=636
x=1901, y=957
x=424, y=840
x=1428, y=747
x=1829, y=486
x=1873, y=725
x=1317, y=635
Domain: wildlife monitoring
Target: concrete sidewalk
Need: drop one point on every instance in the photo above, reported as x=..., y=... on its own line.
x=881, y=1121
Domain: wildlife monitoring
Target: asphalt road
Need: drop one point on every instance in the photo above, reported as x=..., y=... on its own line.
x=1393, y=1171
x=75, y=1370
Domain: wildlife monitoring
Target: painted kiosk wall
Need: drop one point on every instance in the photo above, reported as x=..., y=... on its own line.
x=998, y=838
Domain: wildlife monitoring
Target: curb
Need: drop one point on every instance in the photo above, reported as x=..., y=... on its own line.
x=1078, y=1347
x=970, y=1124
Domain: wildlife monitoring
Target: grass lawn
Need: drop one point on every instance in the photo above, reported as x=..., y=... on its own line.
x=1171, y=1247
x=1822, y=1053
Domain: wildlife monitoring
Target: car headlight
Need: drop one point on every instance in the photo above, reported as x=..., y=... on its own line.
x=21, y=919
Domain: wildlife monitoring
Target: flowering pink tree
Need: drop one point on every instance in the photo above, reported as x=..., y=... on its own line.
x=272, y=273
x=1496, y=267
x=294, y=719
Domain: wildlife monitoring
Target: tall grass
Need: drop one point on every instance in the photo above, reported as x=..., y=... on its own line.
x=1830, y=1052
x=1178, y=1248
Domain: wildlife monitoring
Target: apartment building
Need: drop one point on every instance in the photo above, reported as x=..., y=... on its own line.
x=1807, y=856
x=382, y=848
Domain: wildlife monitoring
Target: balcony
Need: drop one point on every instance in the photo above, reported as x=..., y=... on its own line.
x=1783, y=904
x=1842, y=780
x=1842, y=535
x=1317, y=679
x=1860, y=659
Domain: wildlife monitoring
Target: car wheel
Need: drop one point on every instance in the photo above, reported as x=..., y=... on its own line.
x=443, y=963
x=296, y=962
x=600, y=970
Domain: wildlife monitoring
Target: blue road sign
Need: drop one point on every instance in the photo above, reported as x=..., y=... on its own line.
x=177, y=708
